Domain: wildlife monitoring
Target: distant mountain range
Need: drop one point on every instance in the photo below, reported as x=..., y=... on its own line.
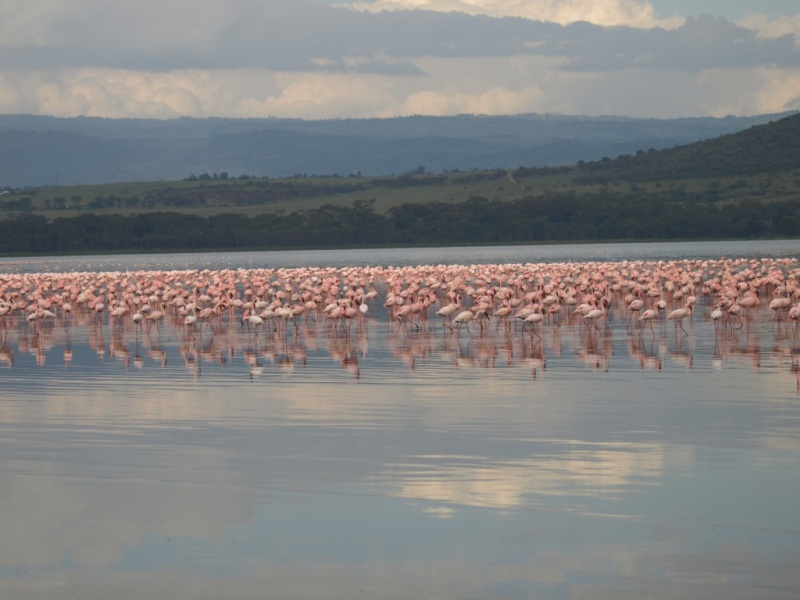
x=37, y=151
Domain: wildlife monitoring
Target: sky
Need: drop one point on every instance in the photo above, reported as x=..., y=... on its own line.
x=324, y=59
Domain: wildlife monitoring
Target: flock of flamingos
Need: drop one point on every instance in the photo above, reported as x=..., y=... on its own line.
x=471, y=302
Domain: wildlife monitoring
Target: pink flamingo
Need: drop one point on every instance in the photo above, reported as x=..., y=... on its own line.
x=781, y=303
x=5, y=310
x=794, y=315
x=595, y=315
x=446, y=312
x=678, y=315
x=154, y=317
x=502, y=313
x=648, y=316
x=464, y=317
x=534, y=318
x=635, y=306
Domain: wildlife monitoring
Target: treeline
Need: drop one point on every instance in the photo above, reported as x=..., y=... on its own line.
x=475, y=221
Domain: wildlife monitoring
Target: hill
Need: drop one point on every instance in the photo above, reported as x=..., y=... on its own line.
x=737, y=186
x=37, y=151
x=768, y=148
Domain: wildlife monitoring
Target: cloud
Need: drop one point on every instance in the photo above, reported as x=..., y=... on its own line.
x=298, y=36
x=767, y=27
x=452, y=86
x=112, y=93
x=701, y=43
x=295, y=58
x=632, y=13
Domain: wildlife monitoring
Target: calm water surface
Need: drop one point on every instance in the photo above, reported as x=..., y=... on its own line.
x=388, y=463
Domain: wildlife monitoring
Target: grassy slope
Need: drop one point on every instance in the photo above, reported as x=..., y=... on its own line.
x=761, y=163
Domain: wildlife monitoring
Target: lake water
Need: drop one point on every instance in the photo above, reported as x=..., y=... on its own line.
x=389, y=462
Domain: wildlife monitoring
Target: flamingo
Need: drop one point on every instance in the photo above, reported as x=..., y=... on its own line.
x=749, y=300
x=154, y=317
x=781, y=303
x=635, y=306
x=533, y=318
x=717, y=315
x=137, y=320
x=206, y=314
x=117, y=314
x=648, y=316
x=5, y=310
x=735, y=310
x=553, y=312
x=794, y=314
x=34, y=317
x=595, y=315
x=446, y=312
x=502, y=314
x=464, y=317
x=254, y=321
x=679, y=314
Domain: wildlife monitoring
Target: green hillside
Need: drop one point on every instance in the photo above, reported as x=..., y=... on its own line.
x=743, y=185
x=762, y=149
